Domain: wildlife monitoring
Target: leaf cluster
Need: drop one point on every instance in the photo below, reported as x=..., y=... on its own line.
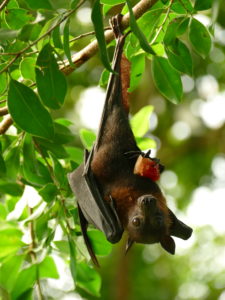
x=36, y=39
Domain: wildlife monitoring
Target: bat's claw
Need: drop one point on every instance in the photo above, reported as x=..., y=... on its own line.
x=115, y=23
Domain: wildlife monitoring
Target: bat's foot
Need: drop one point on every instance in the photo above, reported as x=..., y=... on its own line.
x=136, y=153
x=115, y=23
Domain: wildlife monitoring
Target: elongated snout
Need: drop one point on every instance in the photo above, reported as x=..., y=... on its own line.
x=147, y=202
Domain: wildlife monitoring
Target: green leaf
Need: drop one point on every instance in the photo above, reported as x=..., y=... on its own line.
x=183, y=26
x=75, y=154
x=7, y=34
x=87, y=137
x=88, y=279
x=48, y=192
x=112, y=2
x=10, y=188
x=167, y=79
x=48, y=25
x=25, y=281
x=140, y=123
x=104, y=78
x=2, y=166
x=58, y=150
x=63, y=134
x=47, y=268
x=3, y=212
x=203, y=5
x=10, y=241
x=199, y=38
x=3, y=83
x=74, y=3
x=51, y=82
x=96, y=17
x=182, y=6
x=27, y=111
x=56, y=37
x=62, y=246
x=34, y=4
x=100, y=245
x=136, y=30
x=34, y=171
x=66, y=41
x=59, y=171
x=30, y=32
x=18, y=17
x=145, y=143
x=137, y=69
x=180, y=57
x=12, y=4
x=12, y=162
x=73, y=264
x=149, y=22
x=10, y=266
x=171, y=32
x=27, y=68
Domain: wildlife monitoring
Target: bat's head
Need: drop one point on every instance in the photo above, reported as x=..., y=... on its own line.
x=151, y=222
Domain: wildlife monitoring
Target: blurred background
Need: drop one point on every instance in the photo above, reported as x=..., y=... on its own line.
x=190, y=140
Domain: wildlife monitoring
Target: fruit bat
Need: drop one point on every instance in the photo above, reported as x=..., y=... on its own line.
x=115, y=187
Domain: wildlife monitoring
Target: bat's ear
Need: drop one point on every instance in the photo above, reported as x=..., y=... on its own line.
x=178, y=228
x=168, y=244
x=129, y=245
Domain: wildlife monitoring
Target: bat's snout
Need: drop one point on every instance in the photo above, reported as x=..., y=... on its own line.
x=147, y=202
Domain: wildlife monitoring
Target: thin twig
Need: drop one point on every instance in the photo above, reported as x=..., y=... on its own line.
x=40, y=38
x=3, y=4
x=86, y=34
x=33, y=255
x=4, y=111
x=5, y=124
x=15, y=53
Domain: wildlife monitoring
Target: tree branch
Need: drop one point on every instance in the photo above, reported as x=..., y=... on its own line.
x=3, y=111
x=3, y=4
x=5, y=124
x=91, y=49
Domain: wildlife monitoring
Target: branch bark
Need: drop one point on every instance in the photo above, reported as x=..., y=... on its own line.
x=3, y=4
x=5, y=124
x=4, y=111
x=90, y=50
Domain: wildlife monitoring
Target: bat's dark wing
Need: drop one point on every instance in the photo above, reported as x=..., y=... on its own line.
x=92, y=207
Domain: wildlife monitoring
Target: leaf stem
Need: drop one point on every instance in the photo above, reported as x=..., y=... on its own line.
x=163, y=23
x=86, y=34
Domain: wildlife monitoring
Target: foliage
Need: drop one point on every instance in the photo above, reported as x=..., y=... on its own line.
x=35, y=158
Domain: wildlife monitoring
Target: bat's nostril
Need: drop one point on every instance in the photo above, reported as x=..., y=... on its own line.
x=149, y=201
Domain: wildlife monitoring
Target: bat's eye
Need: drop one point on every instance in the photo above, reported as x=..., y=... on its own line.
x=136, y=222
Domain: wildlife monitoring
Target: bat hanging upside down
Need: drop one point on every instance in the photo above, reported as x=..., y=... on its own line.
x=115, y=187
